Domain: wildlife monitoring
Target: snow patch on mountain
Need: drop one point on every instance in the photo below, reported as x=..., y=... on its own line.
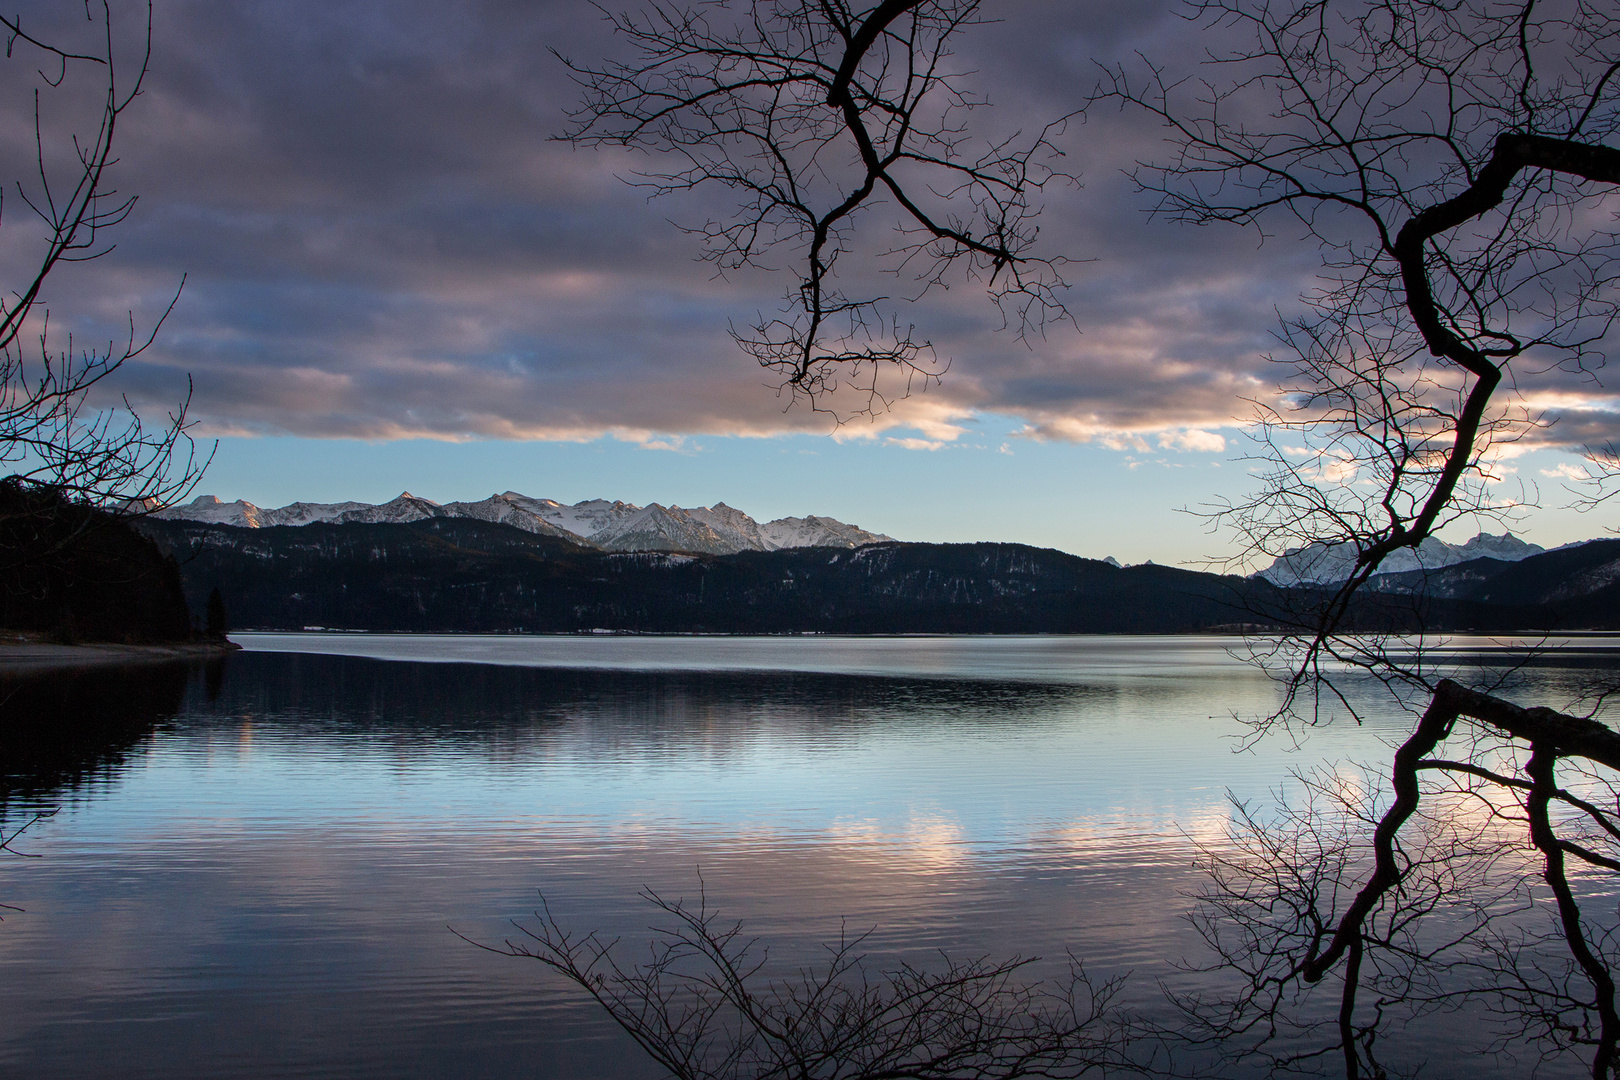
x=403, y=508
x=1587, y=582
x=302, y=513
x=1322, y=564
x=732, y=526
x=243, y=514
x=586, y=518
x=214, y=511
x=510, y=508
x=659, y=528
x=816, y=532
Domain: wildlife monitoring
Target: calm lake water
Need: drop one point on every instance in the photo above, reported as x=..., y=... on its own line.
x=262, y=868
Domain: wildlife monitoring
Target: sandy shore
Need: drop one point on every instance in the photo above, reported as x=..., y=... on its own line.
x=22, y=656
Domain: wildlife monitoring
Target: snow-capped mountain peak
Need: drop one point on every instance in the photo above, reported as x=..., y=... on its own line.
x=732, y=526
x=404, y=507
x=1319, y=563
x=215, y=511
x=815, y=531
x=605, y=523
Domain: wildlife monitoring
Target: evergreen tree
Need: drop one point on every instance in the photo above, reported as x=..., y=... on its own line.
x=215, y=624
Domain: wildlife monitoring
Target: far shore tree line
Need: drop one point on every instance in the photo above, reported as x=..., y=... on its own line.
x=1453, y=160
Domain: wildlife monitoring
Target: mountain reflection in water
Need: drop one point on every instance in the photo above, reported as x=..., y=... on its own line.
x=254, y=872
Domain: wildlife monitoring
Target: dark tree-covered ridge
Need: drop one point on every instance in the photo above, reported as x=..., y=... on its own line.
x=463, y=575
x=76, y=573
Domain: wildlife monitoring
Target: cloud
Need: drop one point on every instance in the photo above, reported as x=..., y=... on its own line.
x=382, y=243
x=1193, y=440
x=915, y=444
x=1574, y=424
x=676, y=444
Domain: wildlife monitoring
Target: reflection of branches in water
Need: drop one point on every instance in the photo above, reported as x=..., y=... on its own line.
x=1358, y=916
x=8, y=837
x=703, y=1006
x=1271, y=902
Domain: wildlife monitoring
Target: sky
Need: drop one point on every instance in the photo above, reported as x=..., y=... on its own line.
x=395, y=278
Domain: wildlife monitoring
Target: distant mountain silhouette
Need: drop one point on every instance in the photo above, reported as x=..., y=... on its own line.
x=459, y=574
x=465, y=575
x=1574, y=587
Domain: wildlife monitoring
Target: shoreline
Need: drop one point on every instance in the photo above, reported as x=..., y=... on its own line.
x=1225, y=630
x=24, y=657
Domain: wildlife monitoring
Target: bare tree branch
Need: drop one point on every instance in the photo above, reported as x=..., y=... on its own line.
x=815, y=112
x=52, y=433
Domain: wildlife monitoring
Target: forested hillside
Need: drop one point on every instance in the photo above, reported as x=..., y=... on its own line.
x=75, y=573
x=462, y=575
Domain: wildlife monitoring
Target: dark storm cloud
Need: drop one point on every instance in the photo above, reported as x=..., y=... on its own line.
x=382, y=242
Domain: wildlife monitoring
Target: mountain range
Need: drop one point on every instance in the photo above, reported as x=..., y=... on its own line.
x=612, y=525
x=1325, y=564
x=721, y=530
x=457, y=573
x=600, y=523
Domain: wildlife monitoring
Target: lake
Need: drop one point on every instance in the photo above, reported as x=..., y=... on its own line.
x=268, y=867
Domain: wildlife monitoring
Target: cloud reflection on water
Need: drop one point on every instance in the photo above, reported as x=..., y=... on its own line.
x=265, y=881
